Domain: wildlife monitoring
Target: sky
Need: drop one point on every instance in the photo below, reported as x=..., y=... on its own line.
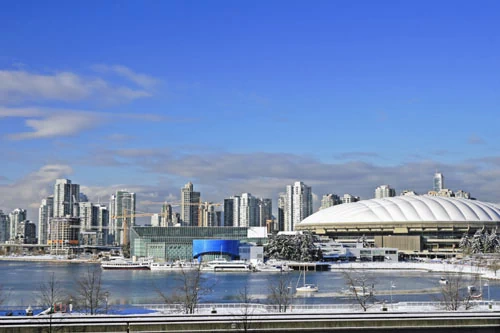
x=247, y=96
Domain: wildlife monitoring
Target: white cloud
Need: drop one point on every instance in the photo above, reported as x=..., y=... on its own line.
x=20, y=86
x=28, y=192
x=51, y=122
x=142, y=80
x=59, y=124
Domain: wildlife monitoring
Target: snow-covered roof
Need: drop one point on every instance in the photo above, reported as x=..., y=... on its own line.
x=407, y=209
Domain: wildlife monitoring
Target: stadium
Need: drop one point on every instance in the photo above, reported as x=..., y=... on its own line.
x=420, y=225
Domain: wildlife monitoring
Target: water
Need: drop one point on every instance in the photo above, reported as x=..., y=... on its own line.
x=21, y=282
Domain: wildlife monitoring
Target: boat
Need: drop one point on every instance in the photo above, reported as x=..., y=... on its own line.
x=442, y=280
x=224, y=265
x=306, y=287
x=123, y=263
x=173, y=266
x=361, y=290
x=272, y=267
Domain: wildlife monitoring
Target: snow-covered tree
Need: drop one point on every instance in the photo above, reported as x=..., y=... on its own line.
x=477, y=245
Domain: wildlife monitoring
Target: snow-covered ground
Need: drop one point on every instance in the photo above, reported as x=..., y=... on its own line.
x=424, y=266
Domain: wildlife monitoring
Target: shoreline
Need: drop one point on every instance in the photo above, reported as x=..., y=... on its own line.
x=51, y=259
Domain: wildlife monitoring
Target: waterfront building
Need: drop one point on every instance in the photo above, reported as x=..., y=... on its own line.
x=64, y=234
x=4, y=227
x=15, y=217
x=384, y=191
x=66, y=195
x=88, y=214
x=28, y=230
x=190, y=201
x=438, y=182
x=45, y=213
x=177, y=243
x=122, y=216
x=330, y=200
x=298, y=204
x=348, y=198
x=416, y=225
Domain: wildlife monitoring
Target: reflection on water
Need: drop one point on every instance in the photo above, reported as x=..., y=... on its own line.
x=21, y=280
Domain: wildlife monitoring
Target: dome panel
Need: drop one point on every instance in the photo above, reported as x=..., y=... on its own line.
x=407, y=209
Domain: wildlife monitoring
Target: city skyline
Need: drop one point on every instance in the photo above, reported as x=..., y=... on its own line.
x=247, y=98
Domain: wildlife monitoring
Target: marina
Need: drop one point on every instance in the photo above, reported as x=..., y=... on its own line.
x=22, y=280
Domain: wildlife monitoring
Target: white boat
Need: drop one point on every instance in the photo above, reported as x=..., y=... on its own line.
x=173, y=266
x=306, y=287
x=224, y=265
x=361, y=291
x=272, y=267
x=442, y=280
x=122, y=263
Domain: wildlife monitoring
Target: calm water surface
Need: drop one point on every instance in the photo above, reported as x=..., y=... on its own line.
x=21, y=281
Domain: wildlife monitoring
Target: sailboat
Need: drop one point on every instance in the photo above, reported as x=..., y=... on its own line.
x=306, y=287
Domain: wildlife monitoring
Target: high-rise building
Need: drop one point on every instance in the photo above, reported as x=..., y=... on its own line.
x=207, y=215
x=281, y=211
x=348, y=198
x=265, y=213
x=248, y=210
x=462, y=194
x=166, y=215
x=438, y=182
x=45, y=213
x=66, y=195
x=155, y=220
x=15, y=217
x=102, y=225
x=4, y=227
x=63, y=234
x=330, y=200
x=88, y=214
x=28, y=230
x=229, y=212
x=298, y=204
x=122, y=216
x=190, y=202
x=384, y=191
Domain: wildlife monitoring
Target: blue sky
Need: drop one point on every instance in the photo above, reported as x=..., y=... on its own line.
x=247, y=96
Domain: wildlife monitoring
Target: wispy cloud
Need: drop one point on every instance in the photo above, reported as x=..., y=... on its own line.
x=52, y=122
x=475, y=140
x=140, y=79
x=356, y=155
x=18, y=86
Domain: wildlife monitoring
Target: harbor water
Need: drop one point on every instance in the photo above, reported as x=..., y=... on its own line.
x=20, y=281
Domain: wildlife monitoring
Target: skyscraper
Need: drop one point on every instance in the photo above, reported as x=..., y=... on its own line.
x=438, y=183
x=122, y=216
x=265, y=211
x=45, y=213
x=248, y=210
x=4, y=227
x=166, y=215
x=281, y=211
x=384, y=191
x=298, y=204
x=15, y=217
x=66, y=195
x=330, y=200
x=190, y=202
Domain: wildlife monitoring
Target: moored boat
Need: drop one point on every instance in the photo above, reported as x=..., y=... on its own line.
x=122, y=263
x=224, y=265
x=173, y=266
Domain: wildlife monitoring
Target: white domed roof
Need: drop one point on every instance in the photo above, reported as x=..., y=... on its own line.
x=412, y=208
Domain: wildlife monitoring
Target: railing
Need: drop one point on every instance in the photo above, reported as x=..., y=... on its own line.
x=238, y=308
